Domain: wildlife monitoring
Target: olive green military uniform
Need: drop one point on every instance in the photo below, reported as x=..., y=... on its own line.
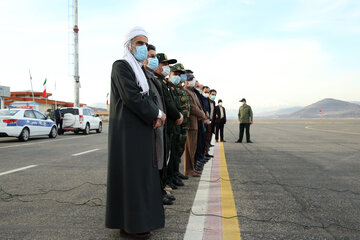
x=173, y=113
x=185, y=110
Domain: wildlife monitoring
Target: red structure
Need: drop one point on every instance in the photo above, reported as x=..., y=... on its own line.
x=27, y=96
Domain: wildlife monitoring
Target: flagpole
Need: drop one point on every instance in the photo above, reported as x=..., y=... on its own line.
x=32, y=90
x=55, y=96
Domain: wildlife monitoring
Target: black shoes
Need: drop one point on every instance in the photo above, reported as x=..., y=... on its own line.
x=209, y=156
x=172, y=185
x=210, y=145
x=249, y=141
x=182, y=176
x=171, y=197
x=223, y=141
x=178, y=182
x=167, y=201
x=238, y=141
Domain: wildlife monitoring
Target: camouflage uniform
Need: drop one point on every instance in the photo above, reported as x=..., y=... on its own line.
x=176, y=149
x=185, y=110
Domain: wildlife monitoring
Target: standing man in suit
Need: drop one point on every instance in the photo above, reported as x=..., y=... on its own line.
x=210, y=128
x=245, y=118
x=196, y=113
x=220, y=120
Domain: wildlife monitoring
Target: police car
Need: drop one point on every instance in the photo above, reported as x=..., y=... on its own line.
x=23, y=123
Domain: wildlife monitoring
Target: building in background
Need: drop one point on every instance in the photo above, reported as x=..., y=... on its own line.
x=24, y=99
x=4, y=92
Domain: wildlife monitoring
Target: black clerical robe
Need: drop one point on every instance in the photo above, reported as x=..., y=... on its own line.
x=134, y=201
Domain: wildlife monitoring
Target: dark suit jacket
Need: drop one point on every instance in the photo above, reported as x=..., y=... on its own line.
x=218, y=114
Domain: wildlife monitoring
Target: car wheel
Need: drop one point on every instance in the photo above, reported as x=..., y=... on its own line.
x=24, y=135
x=99, y=130
x=76, y=131
x=87, y=129
x=53, y=133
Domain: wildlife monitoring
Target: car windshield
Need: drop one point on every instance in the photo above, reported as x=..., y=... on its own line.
x=73, y=111
x=8, y=112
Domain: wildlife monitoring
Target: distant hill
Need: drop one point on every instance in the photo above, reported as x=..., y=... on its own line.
x=98, y=105
x=278, y=113
x=330, y=108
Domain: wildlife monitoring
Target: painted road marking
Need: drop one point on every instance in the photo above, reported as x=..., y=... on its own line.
x=332, y=131
x=230, y=227
x=214, y=197
x=213, y=225
x=77, y=154
x=195, y=227
x=48, y=141
x=17, y=170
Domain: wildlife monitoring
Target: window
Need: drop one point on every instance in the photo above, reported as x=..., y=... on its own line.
x=73, y=111
x=39, y=115
x=8, y=112
x=29, y=114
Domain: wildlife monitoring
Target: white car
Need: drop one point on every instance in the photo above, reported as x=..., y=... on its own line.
x=81, y=119
x=23, y=123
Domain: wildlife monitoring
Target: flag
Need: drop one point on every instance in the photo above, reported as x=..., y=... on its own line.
x=44, y=85
x=107, y=99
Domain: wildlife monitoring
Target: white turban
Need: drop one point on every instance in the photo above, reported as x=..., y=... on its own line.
x=135, y=64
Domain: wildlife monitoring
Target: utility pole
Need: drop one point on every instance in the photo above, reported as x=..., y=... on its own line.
x=76, y=55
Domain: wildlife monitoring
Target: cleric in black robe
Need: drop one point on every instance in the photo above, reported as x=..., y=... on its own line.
x=134, y=202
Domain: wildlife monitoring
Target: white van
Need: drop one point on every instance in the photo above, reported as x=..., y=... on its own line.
x=81, y=119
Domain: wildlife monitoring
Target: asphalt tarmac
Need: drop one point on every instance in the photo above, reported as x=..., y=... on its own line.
x=298, y=180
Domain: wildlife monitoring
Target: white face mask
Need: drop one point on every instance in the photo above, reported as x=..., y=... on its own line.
x=206, y=95
x=220, y=103
x=192, y=83
x=166, y=70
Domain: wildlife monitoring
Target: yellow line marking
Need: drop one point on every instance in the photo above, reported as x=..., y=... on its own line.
x=332, y=131
x=230, y=227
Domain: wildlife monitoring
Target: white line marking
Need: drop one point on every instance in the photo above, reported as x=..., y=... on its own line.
x=18, y=169
x=77, y=154
x=196, y=224
x=48, y=141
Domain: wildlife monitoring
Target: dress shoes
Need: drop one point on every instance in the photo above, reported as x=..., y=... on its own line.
x=182, y=176
x=209, y=156
x=249, y=141
x=194, y=174
x=173, y=186
x=238, y=141
x=167, y=201
x=171, y=197
x=136, y=235
x=223, y=141
x=211, y=145
x=178, y=182
x=168, y=188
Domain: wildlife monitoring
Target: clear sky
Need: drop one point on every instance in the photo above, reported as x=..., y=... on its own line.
x=275, y=53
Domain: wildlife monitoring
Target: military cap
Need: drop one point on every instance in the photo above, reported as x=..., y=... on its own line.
x=188, y=71
x=163, y=59
x=189, y=76
x=243, y=100
x=177, y=68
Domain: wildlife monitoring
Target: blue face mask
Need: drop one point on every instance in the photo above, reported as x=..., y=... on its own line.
x=141, y=53
x=213, y=97
x=153, y=63
x=183, y=77
x=175, y=79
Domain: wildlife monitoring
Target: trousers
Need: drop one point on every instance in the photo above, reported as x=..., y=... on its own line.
x=244, y=126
